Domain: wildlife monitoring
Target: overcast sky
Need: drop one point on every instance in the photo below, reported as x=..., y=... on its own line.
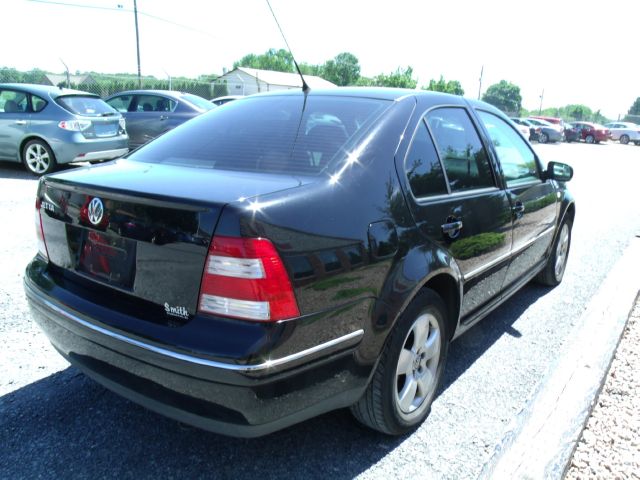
x=577, y=51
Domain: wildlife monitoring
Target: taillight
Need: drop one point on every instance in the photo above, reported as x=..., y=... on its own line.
x=75, y=125
x=42, y=246
x=246, y=278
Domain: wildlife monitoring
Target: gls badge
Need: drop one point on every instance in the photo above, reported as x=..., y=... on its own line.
x=95, y=211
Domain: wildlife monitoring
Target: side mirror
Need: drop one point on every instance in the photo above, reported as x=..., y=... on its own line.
x=559, y=171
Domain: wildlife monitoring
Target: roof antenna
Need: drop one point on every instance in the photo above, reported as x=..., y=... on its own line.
x=305, y=87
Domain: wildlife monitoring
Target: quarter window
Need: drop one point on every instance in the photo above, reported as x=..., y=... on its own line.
x=465, y=160
x=516, y=158
x=423, y=167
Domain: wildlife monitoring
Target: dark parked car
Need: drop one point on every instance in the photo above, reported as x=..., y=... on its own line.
x=549, y=132
x=290, y=254
x=571, y=133
x=534, y=130
x=43, y=127
x=592, y=132
x=219, y=101
x=150, y=113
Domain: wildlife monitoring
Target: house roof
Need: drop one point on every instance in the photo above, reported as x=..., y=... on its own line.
x=56, y=79
x=280, y=78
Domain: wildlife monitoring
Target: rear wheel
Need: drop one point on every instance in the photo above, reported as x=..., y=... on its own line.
x=410, y=369
x=543, y=138
x=556, y=265
x=624, y=139
x=589, y=139
x=38, y=157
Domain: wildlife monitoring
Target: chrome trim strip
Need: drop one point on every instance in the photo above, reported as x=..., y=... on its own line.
x=495, y=261
x=197, y=360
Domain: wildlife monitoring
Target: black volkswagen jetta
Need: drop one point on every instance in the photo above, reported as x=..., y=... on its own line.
x=295, y=253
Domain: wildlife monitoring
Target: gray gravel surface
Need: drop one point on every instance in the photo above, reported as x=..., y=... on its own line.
x=54, y=422
x=610, y=443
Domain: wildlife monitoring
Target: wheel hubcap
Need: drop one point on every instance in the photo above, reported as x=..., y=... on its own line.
x=417, y=366
x=561, y=252
x=37, y=158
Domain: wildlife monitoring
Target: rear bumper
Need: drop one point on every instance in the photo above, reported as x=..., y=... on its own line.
x=75, y=148
x=233, y=399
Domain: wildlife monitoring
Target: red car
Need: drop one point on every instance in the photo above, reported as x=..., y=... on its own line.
x=592, y=132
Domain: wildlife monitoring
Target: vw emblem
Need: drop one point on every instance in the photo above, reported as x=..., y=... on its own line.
x=95, y=211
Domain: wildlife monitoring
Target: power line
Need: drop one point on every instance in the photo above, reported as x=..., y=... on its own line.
x=122, y=9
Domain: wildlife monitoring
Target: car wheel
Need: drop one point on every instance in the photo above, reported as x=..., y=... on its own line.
x=624, y=139
x=556, y=265
x=543, y=138
x=409, y=371
x=589, y=139
x=38, y=157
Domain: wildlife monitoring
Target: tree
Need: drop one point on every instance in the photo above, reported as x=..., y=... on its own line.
x=635, y=108
x=342, y=70
x=505, y=96
x=398, y=79
x=220, y=89
x=276, y=60
x=451, y=86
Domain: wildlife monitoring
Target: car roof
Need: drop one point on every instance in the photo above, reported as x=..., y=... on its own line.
x=381, y=93
x=167, y=93
x=44, y=90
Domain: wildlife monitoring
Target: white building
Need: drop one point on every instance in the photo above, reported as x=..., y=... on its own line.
x=247, y=81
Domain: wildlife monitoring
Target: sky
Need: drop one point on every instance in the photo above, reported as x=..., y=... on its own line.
x=575, y=51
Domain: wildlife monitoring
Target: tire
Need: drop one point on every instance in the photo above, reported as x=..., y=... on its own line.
x=409, y=372
x=589, y=139
x=543, y=138
x=553, y=272
x=38, y=158
x=624, y=139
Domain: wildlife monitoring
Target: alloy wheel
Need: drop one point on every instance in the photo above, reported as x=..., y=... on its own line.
x=416, y=378
x=37, y=158
x=624, y=139
x=562, y=248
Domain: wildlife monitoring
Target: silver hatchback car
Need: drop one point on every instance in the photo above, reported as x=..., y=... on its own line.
x=43, y=126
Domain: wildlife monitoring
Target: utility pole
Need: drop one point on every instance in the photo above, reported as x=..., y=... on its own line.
x=67, y=70
x=480, y=86
x=135, y=14
x=541, y=98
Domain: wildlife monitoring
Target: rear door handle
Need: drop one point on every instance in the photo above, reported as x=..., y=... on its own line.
x=21, y=122
x=163, y=117
x=452, y=227
x=518, y=208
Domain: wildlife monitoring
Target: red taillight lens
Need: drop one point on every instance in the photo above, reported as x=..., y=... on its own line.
x=246, y=278
x=42, y=246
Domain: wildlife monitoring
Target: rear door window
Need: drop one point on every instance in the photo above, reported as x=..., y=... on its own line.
x=12, y=101
x=85, y=105
x=423, y=167
x=155, y=103
x=465, y=159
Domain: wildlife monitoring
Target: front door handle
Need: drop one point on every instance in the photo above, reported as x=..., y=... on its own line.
x=21, y=122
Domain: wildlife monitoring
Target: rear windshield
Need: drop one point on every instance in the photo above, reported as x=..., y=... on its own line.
x=199, y=102
x=273, y=134
x=87, y=106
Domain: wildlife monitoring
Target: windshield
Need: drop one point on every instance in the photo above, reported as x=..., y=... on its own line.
x=87, y=106
x=199, y=102
x=273, y=134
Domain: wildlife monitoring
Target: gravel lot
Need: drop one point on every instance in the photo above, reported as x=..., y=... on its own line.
x=610, y=443
x=56, y=423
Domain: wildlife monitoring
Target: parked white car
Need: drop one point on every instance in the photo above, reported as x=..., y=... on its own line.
x=625, y=132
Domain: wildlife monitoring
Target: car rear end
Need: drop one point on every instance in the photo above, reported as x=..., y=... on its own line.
x=164, y=280
x=87, y=129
